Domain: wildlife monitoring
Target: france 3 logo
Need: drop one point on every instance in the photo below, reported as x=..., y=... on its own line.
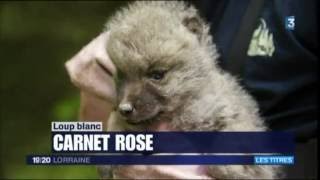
x=290, y=23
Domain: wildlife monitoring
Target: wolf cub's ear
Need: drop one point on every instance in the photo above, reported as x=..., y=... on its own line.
x=195, y=25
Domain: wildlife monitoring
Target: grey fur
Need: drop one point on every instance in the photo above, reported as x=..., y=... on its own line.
x=198, y=94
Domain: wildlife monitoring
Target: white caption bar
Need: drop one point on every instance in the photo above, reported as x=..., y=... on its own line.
x=76, y=126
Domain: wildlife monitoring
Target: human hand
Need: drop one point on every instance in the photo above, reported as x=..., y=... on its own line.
x=160, y=172
x=91, y=69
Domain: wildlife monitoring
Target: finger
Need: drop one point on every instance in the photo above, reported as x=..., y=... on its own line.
x=91, y=69
x=101, y=55
x=93, y=108
x=100, y=83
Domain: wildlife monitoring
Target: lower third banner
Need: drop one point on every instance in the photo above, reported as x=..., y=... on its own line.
x=160, y=159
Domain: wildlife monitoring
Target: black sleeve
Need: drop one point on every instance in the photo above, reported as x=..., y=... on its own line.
x=284, y=80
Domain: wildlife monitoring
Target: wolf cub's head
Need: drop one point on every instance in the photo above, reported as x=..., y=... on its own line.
x=163, y=55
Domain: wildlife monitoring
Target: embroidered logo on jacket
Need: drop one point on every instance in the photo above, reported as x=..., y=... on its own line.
x=262, y=41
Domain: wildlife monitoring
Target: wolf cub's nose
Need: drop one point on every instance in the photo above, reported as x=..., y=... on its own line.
x=125, y=109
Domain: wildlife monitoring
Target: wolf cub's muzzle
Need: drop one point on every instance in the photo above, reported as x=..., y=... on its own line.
x=125, y=109
x=140, y=109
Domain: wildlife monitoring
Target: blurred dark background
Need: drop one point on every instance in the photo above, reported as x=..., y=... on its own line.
x=36, y=40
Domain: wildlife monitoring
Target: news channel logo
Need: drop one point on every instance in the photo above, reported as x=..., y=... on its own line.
x=290, y=23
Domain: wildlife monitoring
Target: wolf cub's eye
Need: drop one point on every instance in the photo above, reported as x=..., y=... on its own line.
x=157, y=75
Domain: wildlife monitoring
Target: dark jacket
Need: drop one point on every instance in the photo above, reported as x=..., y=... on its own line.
x=281, y=65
